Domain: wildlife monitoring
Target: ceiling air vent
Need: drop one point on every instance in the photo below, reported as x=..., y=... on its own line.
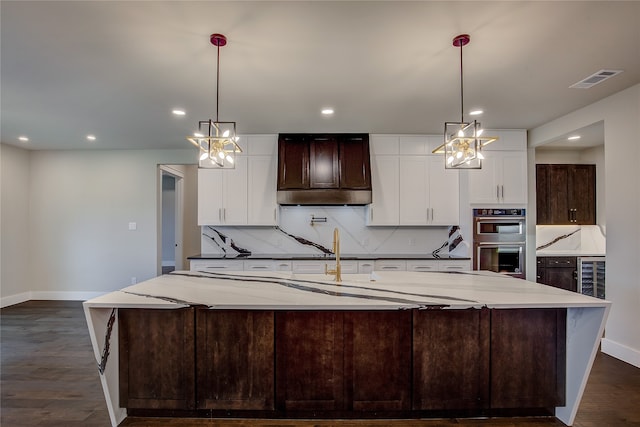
x=595, y=78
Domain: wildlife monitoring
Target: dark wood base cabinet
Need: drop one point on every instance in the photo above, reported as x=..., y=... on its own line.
x=351, y=364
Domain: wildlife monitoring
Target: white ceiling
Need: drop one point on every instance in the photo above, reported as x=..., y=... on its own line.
x=116, y=69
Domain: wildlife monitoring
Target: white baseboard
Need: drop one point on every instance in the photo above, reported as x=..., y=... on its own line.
x=14, y=299
x=622, y=352
x=48, y=295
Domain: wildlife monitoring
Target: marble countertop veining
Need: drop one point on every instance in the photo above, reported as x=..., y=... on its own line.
x=323, y=256
x=375, y=291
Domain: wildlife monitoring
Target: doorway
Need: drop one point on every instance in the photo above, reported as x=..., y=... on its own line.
x=170, y=212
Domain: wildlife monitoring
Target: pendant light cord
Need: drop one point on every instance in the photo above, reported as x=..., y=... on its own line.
x=461, y=89
x=218, y=82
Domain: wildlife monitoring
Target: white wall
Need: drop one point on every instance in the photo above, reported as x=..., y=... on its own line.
x=14, y=217
x=621, y=115
x=168, y=220
x=77, y=243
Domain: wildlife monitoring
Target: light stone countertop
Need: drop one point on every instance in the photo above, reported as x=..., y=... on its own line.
x=376, y=291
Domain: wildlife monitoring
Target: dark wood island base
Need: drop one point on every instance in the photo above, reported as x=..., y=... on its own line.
x=200, y=362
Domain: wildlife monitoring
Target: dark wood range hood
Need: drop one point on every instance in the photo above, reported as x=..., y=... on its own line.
x=324, y=169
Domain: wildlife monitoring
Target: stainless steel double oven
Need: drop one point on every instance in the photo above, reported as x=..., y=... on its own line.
x=499, y=241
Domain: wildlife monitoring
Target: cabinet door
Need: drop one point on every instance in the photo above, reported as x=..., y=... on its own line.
x=354, y=156
x=377, y=360
x=543, y=195
x=384, y=209
x=451, y=359
x=323, y=162
x=210, y=196
x=234, y=194
x=528, y=358
x=558, y=194
x=514, y=177
x=293, y=166
x=156, y=358
x=414, y=193
x=309, y=367
x=582, y=194
x=262, y=201
x=444, y=193
x=235, y=353
x=484, y=183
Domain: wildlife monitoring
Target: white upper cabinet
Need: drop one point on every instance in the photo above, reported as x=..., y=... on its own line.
x=245, y=195
x=222, y=195
x=384, y=207
x=410, y=186
x=262, y=154
x=503, y=177
x=429, y=193
x=262, y=204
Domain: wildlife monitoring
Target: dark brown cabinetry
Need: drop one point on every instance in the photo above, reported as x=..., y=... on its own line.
x=565, y=194
x=157, y=358
x=324, y=169
x=234, y=353
x=343, y=361
x=451, y=359
x=559, y=272
x=528, y=357
x=202, y=362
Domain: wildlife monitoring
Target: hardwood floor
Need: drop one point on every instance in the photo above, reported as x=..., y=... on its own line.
x=49, y=377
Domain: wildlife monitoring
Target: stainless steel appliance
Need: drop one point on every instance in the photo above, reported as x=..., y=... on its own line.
x=499, y=241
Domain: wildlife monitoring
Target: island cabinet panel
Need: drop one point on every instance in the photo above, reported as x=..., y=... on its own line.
x=156, y=357
x=343, y=361
x=377, y=358
x=309, y=365
x=451, y=359
x=235, y=353
x=528, y=358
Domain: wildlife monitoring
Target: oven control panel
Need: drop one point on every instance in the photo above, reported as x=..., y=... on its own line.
x=499, y=212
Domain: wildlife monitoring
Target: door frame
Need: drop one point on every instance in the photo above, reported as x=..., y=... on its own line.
x=179, y=216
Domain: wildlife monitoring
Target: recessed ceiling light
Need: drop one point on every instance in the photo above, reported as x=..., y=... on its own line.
x=573, y=137
x=475, y=112
x=91, y=137
x=23, y=138
x=327, y=111
x=178, y=112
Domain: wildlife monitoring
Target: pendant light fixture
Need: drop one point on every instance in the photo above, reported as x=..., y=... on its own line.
x=216, y=140
x=463, y=142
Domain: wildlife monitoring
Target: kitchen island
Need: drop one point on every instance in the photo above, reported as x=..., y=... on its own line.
x=386, y=344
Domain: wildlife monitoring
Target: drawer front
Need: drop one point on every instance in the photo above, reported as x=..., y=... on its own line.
x=216, y=265
x=561, y=261
x=308, y=267
x=422, y=265
x=454, y=265
x=365, y=266
x=280, y=265
x=259, y=265
x=390, y=265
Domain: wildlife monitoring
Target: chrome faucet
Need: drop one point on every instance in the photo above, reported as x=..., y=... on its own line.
x=337, y=272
